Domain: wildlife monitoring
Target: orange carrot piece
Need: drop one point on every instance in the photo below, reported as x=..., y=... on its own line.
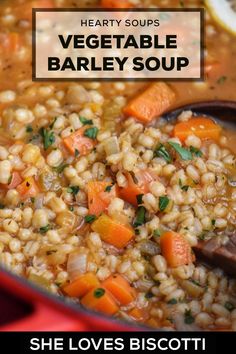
x=204, y=128
x=28, y=188
x=113, y=232
x=98, y=197
x=82, y=285
x=116, y=4
x=120, y=288
x=99, y=299
x=136, y=314
x=10, y=43
x=25, y=9
x=176, y=249
x=78, y=142
x=154, y=101
x=14, y=182
x=139, y=184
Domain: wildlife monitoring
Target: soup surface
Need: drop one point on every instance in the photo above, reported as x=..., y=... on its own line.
x=105, y=203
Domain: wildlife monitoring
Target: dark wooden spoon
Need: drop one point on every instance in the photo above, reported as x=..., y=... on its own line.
x=223, y=110
x=212, y=251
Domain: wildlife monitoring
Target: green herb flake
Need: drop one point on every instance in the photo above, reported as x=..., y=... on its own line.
x=29, y=129
x=185, y=188
x=195, y=282
x=139, y=198
x=44, y=229
x=149, y=295
x=71, y=208
x=73, y=190
x=195, y=151
x=170, y=319
x=157, y=233
x=99, y=292
x=213, y=222
x=229, y=306
x=9, y=179
x=108, y=188
x=32, y=199
x=53, y=122
x=85, y=121
x=90, y=218
x=202, y=236
x=2, y=206
x=140, y=216
x=181, y=3
x=163, y=203
x=48, y=137
x=172, y=302
x=221, y=80
x=162, y=152
x=59, y=169
x=188, y=317
x=182, y=152
x=76, y=152
x=91, y=133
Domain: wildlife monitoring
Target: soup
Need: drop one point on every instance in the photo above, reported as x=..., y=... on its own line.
x=105, y=202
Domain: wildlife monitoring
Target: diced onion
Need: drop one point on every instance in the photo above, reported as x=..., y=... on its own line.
x=111, y=146
x=149, y=248
x=77, y=264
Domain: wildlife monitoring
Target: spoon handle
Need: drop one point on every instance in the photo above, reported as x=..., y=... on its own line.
x=224, y=110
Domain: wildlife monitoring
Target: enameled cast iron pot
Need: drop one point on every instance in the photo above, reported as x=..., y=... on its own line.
x=26, y=307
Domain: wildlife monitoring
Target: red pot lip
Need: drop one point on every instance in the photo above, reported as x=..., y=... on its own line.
x=22, y=288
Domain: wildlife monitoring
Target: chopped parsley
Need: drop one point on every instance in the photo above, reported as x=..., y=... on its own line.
x=140, y=218
x=213, y=222
x=202, y=236
x=195, y=282
x=162, y=152
x=76, y=152
x=172, y=301
x=157, y=233
x=185, y=188
x=9, y=179
x=59, y=169
x=184, y=154
x=229, y=306
x=108, y=188
x=188, y=317
x=139, y=198
x=44, y=229
x=221, y=80
x=99, y=292
x=2, y=206
x=48, y=137
x=163, y=203
x=90, y=218
x=91, y=133
x=73, y=190
x=195, y=151
x=149, y=295
x=86, y=121
x=29, y=129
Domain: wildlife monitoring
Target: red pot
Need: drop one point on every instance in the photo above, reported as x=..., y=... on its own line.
x=41, y=311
